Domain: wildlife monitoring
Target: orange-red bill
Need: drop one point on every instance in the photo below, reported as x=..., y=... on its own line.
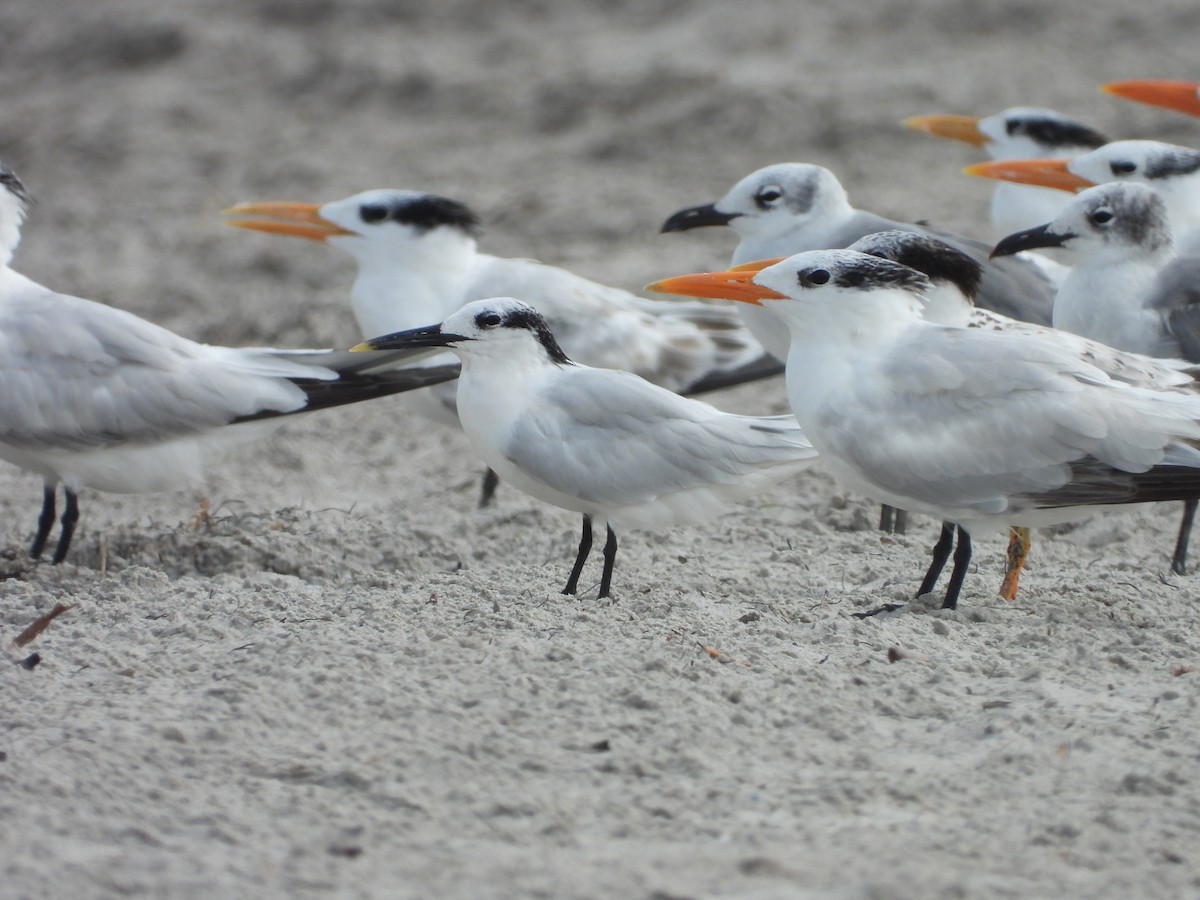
x=956, y=128
x=757, y=265
x=1051, y=173
x=1183, y=96
x=731, y=285
x=292, y=219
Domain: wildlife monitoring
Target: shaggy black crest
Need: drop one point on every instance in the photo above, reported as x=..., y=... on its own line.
x=1178, y=162
x=929, y=255
x=531, y=320
x=425, y=213
x=872, y=272
x=9, y=179
x=1057, y=132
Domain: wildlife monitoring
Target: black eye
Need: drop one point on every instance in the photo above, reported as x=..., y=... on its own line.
x=487, y=320
x=1124, y=167
x=819, y=276
x=372, y=213
x=1102, y=215
x=767, y=196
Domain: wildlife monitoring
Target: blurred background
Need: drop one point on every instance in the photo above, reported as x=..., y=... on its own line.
x=574, y=129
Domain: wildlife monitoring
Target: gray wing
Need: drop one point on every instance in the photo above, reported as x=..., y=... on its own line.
x=76, y=374
x=1177, y=294
x=975, y=421
x=610, y=437
x=346, y=363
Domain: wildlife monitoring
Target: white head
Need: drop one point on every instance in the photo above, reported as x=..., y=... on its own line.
x=1028, y=132
x=384, y=226
x=385, y=223
x=1111, y=223
x=500, y=327
x=770, y=202
x=1171, y=170
x=843, y=276
x=839, y=295
x=15, y=202
x=1142, y=161
x=414, y=250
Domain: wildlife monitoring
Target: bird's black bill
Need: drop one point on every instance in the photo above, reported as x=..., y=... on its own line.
x=1030, y=239
x=430, y=336
x=697, y=217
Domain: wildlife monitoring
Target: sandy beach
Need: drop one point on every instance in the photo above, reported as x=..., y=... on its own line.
x=326, y=673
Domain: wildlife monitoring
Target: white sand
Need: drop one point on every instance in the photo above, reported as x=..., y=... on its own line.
x=353, y=683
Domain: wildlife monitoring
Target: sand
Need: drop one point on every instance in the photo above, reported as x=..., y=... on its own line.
x=345, y=680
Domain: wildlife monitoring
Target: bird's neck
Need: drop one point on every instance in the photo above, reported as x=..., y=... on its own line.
x=1183, y=210
x=410, y=288
x=1105, y=302
x=946, y=305
x=1016, y=207
x=831, y=341
x=494, y=383
x=10, y=236
x=808, y=233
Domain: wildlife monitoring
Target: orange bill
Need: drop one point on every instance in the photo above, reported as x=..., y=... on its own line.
x=757, y=265
x=1183, y=96
x=731, y=285
x=1051, y=173
x=956, y=128
x=293, y=219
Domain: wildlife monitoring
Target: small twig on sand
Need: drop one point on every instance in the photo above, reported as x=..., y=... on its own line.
x=39, y=624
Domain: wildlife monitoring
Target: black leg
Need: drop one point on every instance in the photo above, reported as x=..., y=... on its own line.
x=941, y=553
x=887, y=518
x=45, y=522
x=610, y=557
x=488, y=490
x=585, y=547
x=901, y=524
x=962, y=557
x=1179, y=562
x=69, y=517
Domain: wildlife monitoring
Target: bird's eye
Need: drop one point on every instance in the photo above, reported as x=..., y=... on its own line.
x=487, y=320
x=818, y=276
x=767, y=196
x=1102, y=215
x=372, y=213
x=1123, y=167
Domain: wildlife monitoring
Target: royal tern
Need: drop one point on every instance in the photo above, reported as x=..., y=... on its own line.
x=1171, y=170
x=92, y=396
x=791, y=207
x=1183, y=96
x=418, y=262
x=1127, y=288
x=601, y=442
x=954, y=279
x=984, y=428
x=1021, y=132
